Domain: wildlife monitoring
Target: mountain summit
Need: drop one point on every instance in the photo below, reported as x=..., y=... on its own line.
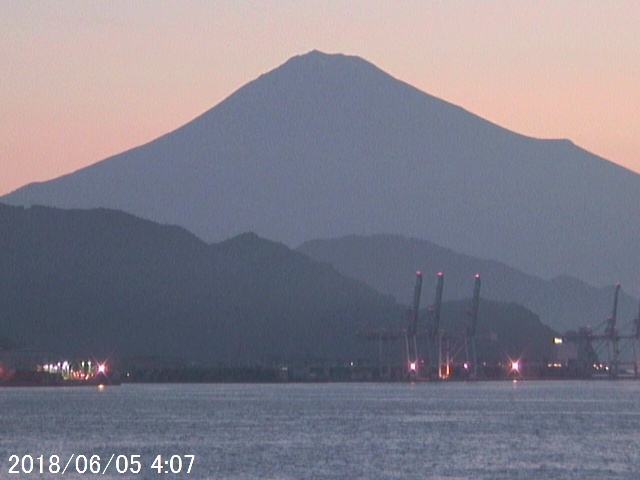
x=329, y=145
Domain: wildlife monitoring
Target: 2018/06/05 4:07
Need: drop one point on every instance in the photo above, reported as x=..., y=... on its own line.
x=95, y=464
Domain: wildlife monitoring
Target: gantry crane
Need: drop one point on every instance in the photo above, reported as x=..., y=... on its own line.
x=452, y=346
x=411, y=340
x=435, y=334
x=612, y=338
x=588, y=355
x=470, y=333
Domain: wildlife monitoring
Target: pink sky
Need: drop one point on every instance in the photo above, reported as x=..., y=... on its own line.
x=83, y=80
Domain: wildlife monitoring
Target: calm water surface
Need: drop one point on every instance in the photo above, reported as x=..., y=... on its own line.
x=483, y=430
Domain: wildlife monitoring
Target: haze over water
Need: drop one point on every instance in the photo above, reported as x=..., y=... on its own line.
x=483, y=430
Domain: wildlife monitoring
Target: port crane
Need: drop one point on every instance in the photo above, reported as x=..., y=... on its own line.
x=437, y=340
x=435, y=333
x=470, y=332
x=616, y=342
x=412, y=368
x=612, y=337
x=463, y=344
x=411, y=337
x=587, y=354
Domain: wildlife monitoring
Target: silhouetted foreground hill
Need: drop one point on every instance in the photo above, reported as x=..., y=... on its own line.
x=329, y=145
x=102, y=282
x=388, y=262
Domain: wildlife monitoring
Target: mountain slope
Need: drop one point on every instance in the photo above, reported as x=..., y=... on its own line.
x=505, y=331
x=105, y=283
x=102, y=282
x=329, y=145
x=388, y=263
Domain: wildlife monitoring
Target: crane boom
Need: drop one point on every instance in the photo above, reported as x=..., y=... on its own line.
x=416, y=303
x=475, y=302
x=411, y=340
x=614, y=314
x=470, y=333
x=612, y=336
x=611, y=324
x=437, y=306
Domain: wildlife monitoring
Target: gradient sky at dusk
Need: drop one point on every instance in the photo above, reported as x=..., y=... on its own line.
x=83, y=80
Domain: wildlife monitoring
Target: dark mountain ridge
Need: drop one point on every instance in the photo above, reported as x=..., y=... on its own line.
x=329, y=145
x=104, y=282
x=387, y=262
x=107, y=284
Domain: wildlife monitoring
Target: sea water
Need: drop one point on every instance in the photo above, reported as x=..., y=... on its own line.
x=475, y=430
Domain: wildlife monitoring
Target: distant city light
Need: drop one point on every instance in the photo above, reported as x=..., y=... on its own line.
x=72, y=370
